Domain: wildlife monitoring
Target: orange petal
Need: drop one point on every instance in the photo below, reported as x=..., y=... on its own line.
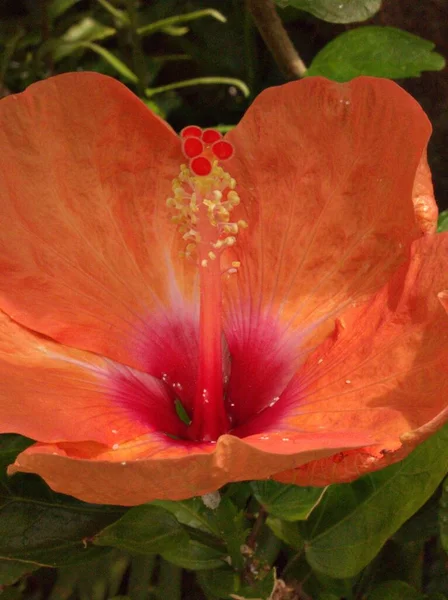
x=154, y=468
x=85, y=237
x=51, y=393
x=326, y=173
x=385, y=374
x=425, y=205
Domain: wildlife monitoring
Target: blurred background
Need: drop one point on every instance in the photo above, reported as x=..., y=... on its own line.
x=181, y=56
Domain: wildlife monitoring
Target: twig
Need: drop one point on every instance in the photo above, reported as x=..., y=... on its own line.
x=276, y=38
x=259, y=522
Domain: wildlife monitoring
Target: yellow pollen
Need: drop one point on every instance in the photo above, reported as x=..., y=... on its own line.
x=202, y=207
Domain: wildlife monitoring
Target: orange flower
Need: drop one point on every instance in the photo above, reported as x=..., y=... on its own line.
x=302, y=329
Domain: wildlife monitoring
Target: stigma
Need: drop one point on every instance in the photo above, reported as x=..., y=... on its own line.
x=204, y=198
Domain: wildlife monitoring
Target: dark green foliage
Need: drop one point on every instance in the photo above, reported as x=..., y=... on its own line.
x=336, y=543
x=336, y=11
x=377, y=51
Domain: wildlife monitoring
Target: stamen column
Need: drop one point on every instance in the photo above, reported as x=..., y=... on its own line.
x=204, y=198
x=209, y=419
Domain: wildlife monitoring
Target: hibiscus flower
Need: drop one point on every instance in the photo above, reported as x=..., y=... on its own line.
x=179, y=312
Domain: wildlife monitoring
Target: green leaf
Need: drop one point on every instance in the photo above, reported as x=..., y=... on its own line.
x=144, y=529
x=286, y=531
x=11, y=571
x=353, y=521
x=169, y=581
x=120, y=15
x=394, y=590
x=422, y=526
x=39, y=527
x=113, y=61
x=94, y=580
x=12, y=594
x=195, y=556
x=232, y=527
x=443, y=221
x=10, y=46
x=225, y=522
x=140, y=575
x=288, y=502
x=377, y=51
x=260, y=590
x=86, y=30
x=219, y=582
x=59, y=7
x=443, y=516
x=337, y=11
x=192, y=513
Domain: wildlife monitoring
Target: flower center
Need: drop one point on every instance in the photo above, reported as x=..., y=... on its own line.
x=203, y=199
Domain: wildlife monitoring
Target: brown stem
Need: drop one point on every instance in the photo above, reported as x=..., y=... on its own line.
x=259, y=522
x=276, y=38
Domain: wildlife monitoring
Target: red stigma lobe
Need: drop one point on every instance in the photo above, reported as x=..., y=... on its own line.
x=202, y=146
x=191, y=131
x=200, y=165
x=210, y=135
x=222, y=149
x=192, y=147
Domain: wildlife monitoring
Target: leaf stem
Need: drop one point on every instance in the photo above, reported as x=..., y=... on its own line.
x=150, y=92
x=170, y=21
x=259, y=522
x=118, y=14
x=276, y=38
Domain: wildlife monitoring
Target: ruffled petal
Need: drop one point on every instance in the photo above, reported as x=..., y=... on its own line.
x=85, y=238
x=326, y=176
x=383, y=372
x=153, y=467
x=425, y=206
x=53, y=393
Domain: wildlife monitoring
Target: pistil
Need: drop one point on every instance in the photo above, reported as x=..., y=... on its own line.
x=209, y=419
x=204, y=197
